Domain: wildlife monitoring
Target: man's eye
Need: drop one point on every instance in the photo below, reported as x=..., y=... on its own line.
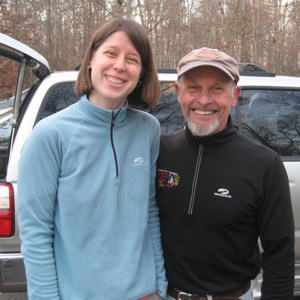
x=218, y=88
x=193, y=88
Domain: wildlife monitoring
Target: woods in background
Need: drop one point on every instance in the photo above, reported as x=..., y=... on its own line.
x=264, y=32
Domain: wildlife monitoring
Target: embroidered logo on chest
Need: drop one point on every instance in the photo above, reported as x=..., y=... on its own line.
x=223, y=193
x=138, y=161
x=167, y=178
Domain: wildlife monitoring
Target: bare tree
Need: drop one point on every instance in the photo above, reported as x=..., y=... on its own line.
x=262, y=32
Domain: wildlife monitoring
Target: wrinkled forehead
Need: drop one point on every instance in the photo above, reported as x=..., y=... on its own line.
x=205, y=72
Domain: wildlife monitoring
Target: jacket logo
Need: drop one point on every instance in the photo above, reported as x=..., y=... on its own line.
x=138, y=161
x=223, y=193
x=167, y=178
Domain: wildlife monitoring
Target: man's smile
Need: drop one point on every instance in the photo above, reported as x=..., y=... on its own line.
x=203, y=112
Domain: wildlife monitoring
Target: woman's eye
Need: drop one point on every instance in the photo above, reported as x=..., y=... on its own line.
x=133, y=60
x=110, y=52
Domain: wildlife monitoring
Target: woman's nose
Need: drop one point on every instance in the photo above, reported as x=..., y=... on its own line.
x=120, y=64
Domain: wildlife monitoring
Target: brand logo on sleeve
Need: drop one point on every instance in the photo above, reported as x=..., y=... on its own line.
x=223, y=193
x=167, y=178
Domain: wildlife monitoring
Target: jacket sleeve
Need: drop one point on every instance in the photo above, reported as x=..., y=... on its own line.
x=37, y=185
x=276, y=226
x=154, y=224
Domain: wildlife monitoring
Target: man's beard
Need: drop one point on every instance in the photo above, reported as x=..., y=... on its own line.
x=202, y=130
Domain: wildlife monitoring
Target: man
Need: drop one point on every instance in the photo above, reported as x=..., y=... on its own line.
x=218, y=192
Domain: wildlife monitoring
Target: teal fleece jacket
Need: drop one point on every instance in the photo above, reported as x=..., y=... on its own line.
x=86, y=205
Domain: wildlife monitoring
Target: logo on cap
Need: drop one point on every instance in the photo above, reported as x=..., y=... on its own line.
x=208, y=54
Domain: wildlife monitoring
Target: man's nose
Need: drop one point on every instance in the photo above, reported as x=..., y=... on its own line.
x=204, y=98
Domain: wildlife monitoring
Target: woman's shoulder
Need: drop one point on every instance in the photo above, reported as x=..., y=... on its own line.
x=141, y=115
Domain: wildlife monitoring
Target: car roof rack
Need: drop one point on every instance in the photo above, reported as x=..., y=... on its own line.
x=247, y=69
x=166, y=71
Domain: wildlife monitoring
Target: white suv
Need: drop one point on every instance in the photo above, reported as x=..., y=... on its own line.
x=268, y=111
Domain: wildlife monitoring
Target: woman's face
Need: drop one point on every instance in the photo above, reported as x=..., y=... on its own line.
x=115, y=71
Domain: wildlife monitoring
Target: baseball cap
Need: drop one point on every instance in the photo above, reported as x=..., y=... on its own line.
x=209, y=57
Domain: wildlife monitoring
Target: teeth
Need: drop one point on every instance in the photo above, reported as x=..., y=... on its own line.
x=203, y=112
x=114, y=80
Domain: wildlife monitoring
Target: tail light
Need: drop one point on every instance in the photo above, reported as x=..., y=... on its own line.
x=7, y=216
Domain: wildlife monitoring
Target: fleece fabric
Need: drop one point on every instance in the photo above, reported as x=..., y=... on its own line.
x=86, y=205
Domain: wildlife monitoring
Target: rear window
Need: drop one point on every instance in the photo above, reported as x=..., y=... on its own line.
x=272, y=117
x=57, y=98
x=167, y=111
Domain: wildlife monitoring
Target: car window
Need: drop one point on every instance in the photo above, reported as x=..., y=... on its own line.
x=168, y=110
x=8, y=81
x=272, y=117
x=57, y=98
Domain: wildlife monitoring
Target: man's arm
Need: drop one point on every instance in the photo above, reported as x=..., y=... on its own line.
x=37, y=185
x=276, y=225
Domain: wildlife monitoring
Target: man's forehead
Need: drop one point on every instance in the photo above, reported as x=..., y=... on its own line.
x=205, y=71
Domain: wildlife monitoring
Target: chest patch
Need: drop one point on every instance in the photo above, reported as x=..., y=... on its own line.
x=167, y=178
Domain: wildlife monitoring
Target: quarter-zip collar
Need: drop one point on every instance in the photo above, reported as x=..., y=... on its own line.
x=110, y=117
x=221, y=137
x=104, y=115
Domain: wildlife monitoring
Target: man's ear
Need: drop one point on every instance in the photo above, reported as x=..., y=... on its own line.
x=177, y=88
x=236, y=96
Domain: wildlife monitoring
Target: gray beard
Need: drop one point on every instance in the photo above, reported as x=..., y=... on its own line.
x=203, y=130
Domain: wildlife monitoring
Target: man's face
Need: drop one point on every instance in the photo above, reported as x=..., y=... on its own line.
x=206, y=95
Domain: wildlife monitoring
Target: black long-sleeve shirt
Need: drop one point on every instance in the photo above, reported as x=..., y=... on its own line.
x=216, y=196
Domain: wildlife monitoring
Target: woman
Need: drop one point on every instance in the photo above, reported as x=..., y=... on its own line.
x=86, y=204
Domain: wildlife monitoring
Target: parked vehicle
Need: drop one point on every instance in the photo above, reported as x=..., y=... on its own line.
x=268, y=111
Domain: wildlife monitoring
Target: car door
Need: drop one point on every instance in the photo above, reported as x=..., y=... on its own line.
x=21, y=71
x=271, y=116
x=21, y=67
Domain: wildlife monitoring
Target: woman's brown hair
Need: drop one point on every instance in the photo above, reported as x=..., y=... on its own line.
x=147, y=93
